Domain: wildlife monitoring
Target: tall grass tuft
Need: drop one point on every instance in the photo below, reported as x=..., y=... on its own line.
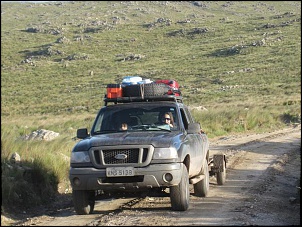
x=27, y=184
x=34, y=179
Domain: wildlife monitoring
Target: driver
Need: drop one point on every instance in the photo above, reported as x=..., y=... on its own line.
x=167, y=118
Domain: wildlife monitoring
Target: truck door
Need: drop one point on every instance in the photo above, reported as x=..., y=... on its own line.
x=194, y=143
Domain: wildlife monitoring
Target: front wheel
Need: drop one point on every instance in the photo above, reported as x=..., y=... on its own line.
x=83, y=201
x=180, y=194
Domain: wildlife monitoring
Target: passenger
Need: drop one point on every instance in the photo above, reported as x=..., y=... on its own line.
x=124, y=126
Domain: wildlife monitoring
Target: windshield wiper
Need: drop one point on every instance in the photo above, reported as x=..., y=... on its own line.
x=104, y=131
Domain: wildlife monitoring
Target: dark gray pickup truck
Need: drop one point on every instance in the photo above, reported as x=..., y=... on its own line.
x=146, y=155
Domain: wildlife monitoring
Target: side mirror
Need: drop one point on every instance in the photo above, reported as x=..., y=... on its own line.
x=82, y=133
x=193, y=128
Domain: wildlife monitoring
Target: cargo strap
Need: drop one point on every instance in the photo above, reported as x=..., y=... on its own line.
x=142, y=88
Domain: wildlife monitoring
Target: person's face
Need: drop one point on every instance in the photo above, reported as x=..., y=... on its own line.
x=167, y=119
x=124, y=127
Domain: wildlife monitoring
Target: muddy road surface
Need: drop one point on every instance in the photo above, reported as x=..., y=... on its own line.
x=262, y=188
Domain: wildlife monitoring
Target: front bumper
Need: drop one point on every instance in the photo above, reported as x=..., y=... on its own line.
x=152, y=176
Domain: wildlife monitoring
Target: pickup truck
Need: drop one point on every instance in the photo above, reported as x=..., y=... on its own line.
x=145, y=156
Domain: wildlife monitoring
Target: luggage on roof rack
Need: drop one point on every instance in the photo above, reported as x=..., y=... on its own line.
x=173, y=86
x=151, y=89
x=129, y=80
x=133, y=91
x=114, y=91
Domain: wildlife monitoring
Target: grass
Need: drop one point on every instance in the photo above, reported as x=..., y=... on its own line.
x=239, y=60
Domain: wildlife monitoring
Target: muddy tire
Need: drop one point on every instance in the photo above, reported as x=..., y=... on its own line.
x=180, y=194
x=201, y=188
x=83, y=201
x=221, y=176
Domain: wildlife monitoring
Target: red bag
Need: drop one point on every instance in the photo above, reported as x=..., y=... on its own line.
x=172, y=84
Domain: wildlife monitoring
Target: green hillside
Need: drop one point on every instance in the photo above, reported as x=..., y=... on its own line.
x=57, y=56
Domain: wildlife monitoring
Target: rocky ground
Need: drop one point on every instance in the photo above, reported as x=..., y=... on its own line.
x=262, y=188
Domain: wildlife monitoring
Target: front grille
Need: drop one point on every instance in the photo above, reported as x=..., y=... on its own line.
x=131, y=156
x=110, y=156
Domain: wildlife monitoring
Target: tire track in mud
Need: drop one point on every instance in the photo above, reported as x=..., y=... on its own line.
x=68, y=217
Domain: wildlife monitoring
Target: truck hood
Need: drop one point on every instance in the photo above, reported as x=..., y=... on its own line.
x=156, y=139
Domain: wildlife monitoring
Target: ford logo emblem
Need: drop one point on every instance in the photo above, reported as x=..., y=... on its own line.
x=120, y=156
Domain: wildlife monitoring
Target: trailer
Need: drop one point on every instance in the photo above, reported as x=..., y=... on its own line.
x=217, y=167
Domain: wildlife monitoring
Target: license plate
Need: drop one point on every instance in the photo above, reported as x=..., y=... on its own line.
x=119, y=171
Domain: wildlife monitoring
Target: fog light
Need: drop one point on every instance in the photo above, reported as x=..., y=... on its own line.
x=76, y=181
x=168, y=177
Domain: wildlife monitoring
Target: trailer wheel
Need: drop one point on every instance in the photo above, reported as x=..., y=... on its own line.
x=83, y=201
x=180, y=194
x=221, y=176
x=202, y=187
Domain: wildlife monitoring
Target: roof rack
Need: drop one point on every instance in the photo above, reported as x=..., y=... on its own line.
x=143, y=99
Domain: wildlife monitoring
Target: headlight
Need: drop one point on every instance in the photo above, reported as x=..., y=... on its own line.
x=165, y=153
x=79, y=157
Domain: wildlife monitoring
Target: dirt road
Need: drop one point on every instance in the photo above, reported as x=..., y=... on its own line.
x=262, y=188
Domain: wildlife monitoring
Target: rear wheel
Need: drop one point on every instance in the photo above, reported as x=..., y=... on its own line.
x=83, y=201
x=180, y=194
x=201, y=188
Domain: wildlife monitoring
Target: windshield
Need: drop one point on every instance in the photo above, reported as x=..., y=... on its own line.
x=127, y=118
